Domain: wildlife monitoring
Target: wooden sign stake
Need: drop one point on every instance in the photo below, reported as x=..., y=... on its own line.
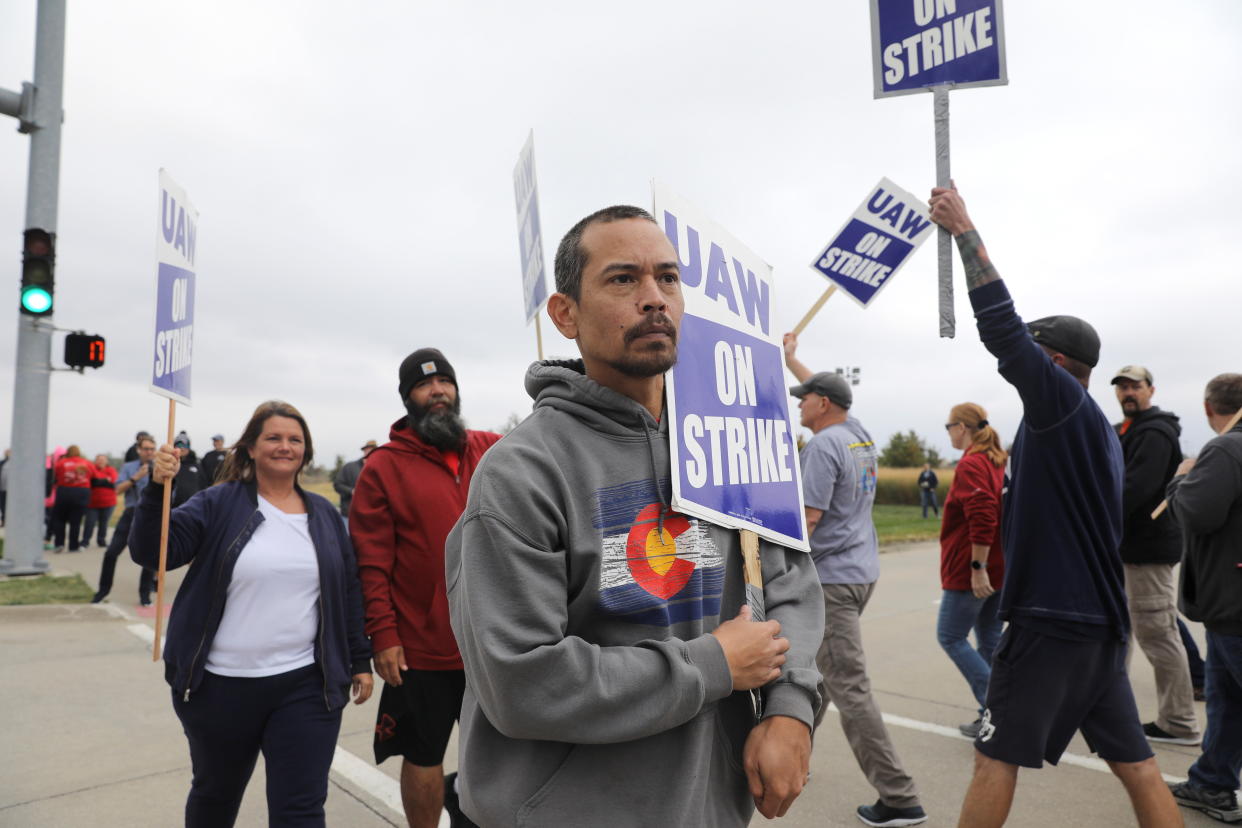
x=164, y=520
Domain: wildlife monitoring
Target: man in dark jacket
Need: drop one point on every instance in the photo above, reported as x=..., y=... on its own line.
x=347, y=476
x=189, y=478
x=211, y=461
x=1150, y=549
x=927, y=490
x=1060, y=665
x=411, y=491
x=1205, y=496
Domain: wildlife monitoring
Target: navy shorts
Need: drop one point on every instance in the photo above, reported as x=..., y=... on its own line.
x=1044, y=688
x=423, y=709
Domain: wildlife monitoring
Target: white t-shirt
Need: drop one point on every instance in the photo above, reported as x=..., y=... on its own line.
x=271, y=611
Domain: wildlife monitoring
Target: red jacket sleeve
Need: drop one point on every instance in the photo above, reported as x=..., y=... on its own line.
x=374, y=537
x=980, y=498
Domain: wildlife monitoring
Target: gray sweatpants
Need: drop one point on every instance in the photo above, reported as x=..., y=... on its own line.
x=841, y=662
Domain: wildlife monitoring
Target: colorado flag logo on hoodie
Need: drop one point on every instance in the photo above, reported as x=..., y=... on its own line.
x=656, y=572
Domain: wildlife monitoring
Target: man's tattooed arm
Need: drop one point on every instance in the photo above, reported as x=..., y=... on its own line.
x=979, y=270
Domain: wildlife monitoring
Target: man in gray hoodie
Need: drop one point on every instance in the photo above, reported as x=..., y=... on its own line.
x=607, y=660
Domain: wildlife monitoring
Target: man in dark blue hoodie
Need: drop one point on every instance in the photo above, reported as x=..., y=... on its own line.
x=1060, y=666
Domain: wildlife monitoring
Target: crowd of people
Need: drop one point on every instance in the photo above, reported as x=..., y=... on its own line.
x=592, y=644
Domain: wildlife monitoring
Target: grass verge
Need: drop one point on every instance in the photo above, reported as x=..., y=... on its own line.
x=45, y=589
x=904, y=524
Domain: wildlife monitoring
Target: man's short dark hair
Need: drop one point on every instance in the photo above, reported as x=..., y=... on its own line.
x=571, y=258
x=1077, y=369
x=1224, y=393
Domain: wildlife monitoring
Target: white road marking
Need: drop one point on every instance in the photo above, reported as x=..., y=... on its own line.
x=144, y=632
x=953, y=733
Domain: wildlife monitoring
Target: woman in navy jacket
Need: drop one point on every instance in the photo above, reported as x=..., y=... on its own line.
x=266, y=635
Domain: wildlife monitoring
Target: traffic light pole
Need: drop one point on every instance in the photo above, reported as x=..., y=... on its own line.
x=39, y=112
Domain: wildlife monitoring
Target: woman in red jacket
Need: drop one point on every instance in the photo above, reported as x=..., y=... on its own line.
x=972, y=565
x=103, y=500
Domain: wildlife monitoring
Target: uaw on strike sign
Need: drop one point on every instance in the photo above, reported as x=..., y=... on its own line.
x=917, y=44
x=735, y=462
x=174, y=293
x=880, y=237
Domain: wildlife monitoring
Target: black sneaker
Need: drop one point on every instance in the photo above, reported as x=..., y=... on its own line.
x=451, y=804
x=1219, y=805
x=971, y=731
x=98, y=597
x=882, y=815
x=1156, y=734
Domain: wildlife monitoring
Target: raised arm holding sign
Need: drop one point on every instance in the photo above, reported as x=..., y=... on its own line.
x=1063, y=519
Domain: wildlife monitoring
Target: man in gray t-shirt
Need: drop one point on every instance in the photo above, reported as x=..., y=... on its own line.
x=838, y=484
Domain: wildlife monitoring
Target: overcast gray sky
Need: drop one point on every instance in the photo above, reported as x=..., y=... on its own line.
x=352, y=165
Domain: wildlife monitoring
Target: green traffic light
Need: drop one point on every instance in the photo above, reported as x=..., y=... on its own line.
x=36, y=300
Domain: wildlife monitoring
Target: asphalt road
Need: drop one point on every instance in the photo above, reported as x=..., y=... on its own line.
x=90, y=737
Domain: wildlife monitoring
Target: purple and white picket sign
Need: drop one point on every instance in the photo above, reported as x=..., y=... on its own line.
x=530, y=238
x=734, y=456
x=918, y=44
x=875, y=242
x=174, y=293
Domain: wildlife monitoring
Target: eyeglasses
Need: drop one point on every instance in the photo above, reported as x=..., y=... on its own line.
x=949, y=426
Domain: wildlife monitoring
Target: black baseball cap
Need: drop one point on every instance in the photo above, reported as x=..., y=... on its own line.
x=1068, y=335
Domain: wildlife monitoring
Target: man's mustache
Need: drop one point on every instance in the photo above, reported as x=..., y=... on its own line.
x=658, y=323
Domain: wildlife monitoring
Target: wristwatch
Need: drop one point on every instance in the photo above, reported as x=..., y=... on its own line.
x=976, y=564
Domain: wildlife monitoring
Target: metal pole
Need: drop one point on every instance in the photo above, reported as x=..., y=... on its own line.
x=23, y=542
x=944, y=242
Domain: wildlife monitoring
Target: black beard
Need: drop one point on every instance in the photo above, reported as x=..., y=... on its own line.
x=658, y=359
x=442, y=429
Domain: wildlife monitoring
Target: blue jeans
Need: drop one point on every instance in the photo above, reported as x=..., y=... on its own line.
x=928, y=498
x=1218, y=766
x=960, y=611
x=101, y=515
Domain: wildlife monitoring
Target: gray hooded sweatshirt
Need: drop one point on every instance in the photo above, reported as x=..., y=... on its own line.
x=583, y=607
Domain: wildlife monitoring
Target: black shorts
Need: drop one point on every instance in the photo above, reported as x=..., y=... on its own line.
x=1044, y=688
x=416, y=719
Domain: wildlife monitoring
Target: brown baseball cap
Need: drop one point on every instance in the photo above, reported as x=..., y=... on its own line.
x=369, y=444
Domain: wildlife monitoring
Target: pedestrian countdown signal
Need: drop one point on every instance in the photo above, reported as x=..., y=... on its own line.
x=84, y=350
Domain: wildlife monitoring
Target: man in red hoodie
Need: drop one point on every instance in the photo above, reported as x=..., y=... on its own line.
x=409, y=495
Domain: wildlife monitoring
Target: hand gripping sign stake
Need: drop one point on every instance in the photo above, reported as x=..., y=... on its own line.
x=1233, y=421
x=752, y=568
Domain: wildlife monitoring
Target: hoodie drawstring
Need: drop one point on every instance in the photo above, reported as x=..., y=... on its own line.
x=655, y=478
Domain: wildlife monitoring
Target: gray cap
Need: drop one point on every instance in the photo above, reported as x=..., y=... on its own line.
x=219, y=437
x=1137, y=373
x=833, y=386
